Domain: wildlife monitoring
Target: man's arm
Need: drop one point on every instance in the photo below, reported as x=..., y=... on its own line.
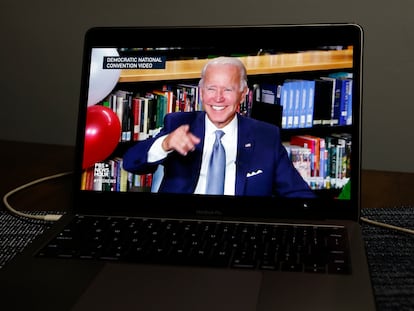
x=145, y=156
x=135, y=159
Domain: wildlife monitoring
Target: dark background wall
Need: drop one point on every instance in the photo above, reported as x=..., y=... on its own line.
x=41, y=48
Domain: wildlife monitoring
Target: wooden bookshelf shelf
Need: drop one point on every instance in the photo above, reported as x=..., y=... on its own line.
x=256, y=65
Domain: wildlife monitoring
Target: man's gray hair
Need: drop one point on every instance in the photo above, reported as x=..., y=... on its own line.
x=226, y=60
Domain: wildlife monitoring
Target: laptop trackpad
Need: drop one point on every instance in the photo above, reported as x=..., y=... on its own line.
x=143, y=287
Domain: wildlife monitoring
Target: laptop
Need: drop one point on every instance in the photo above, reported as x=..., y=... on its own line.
x=305, y=79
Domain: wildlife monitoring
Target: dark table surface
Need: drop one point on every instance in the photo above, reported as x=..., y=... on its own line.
x=25, y=162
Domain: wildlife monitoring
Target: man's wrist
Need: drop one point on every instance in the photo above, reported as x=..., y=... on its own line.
x=164, y=143
x=157, y=151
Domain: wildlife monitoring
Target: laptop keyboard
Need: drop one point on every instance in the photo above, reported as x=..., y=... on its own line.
x=299, y=248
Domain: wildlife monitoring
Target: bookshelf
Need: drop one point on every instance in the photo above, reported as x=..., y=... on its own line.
x=255, y=65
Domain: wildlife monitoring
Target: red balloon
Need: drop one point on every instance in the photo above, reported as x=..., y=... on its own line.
x=102, y=134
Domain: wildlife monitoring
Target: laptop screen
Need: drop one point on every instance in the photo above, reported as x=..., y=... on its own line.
x=146, y=117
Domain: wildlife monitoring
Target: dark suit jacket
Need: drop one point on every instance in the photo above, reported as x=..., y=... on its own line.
x=262, y=166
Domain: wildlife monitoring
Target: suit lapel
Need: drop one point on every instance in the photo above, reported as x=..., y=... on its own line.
x=245, y=150
x=197, y=127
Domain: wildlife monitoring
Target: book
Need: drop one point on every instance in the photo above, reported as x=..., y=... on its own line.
x=161, y=98
x=341, y=111
x=151, y=117
x=290, y=89
x=345, y=141
x=338, y=111
x=346, y=102
x=343, y=101
x=310, y=99
x=123, y=111
x=284, y=99
x=322, y=105
x=143, y=122
x=270, y=93
x=170, y=100
x=127, y=119
x=303, y=103
x=323, y=158
x=136, y=118
x=339, y=153
x=89, y=178
x=120, y=112
x=113, y=102
x=337, y=94
x=297, y=98
x=266, y=105
x=298, y=103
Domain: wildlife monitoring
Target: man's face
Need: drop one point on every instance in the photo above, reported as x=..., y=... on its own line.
x=220, y=94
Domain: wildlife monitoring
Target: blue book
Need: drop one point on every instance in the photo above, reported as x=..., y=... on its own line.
x=310, y=99
x=303, y=103
x=284, y=99
x=349, y=106
x=290, y=103
x=297, y=96
x=345, y=101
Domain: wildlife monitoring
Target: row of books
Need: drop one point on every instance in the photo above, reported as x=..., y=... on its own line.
x=109, y=175
x=306, y=103
x=300, y=104
x=323, y=162
x=142, y=115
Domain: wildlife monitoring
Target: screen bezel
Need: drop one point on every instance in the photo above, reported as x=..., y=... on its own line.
x=291, y=37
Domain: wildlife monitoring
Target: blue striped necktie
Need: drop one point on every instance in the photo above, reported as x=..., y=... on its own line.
x=216, y=167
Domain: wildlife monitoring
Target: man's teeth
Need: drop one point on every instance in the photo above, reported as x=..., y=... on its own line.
x=217, y=107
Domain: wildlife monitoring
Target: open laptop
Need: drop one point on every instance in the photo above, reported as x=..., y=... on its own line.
x=124, y=72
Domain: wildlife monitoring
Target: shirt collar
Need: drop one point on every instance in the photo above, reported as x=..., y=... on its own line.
x=229, y=128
